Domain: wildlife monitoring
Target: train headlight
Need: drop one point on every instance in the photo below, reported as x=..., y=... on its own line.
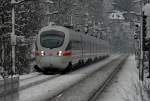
x=42, y=53
x=59, y=53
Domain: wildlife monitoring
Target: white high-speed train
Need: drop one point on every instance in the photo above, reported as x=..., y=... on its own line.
x=58, y=47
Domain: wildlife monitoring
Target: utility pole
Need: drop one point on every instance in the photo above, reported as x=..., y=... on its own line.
x=13, y=36
x=141, y=71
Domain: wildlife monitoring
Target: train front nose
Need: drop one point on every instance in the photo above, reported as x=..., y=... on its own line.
x=44, y=62
x=50, y=42
x=43, y=59
x=52, y=60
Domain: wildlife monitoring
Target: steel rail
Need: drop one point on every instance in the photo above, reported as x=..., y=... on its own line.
x=100, y=90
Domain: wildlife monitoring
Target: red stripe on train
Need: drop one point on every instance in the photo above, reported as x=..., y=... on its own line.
x=67, y=53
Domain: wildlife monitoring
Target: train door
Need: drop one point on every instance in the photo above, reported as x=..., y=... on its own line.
x=82, y=47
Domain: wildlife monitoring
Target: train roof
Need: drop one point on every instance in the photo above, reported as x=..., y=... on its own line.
x=52, y=27
x=64, y=29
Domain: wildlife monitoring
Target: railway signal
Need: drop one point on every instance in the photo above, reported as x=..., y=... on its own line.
x=137, y=31
x=146, y=42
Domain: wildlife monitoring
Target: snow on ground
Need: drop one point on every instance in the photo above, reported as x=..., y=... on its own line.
x=83, y=90
x=53, y=87
x=125, y=86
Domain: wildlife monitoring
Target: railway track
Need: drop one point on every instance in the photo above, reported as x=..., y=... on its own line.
x=30, y=83
x=35, y=81
x=29, y=76
x=100, y=90
x=27, y=81
x=83, y=92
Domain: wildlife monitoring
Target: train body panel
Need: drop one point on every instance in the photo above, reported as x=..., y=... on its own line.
x=57, y=47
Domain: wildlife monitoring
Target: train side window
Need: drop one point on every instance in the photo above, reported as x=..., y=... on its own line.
x=69, y=46
x=76, y=45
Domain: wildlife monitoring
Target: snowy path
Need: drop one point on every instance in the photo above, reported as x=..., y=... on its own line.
x=125, y=86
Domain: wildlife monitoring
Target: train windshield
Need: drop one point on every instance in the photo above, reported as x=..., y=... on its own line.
x=52, y=39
